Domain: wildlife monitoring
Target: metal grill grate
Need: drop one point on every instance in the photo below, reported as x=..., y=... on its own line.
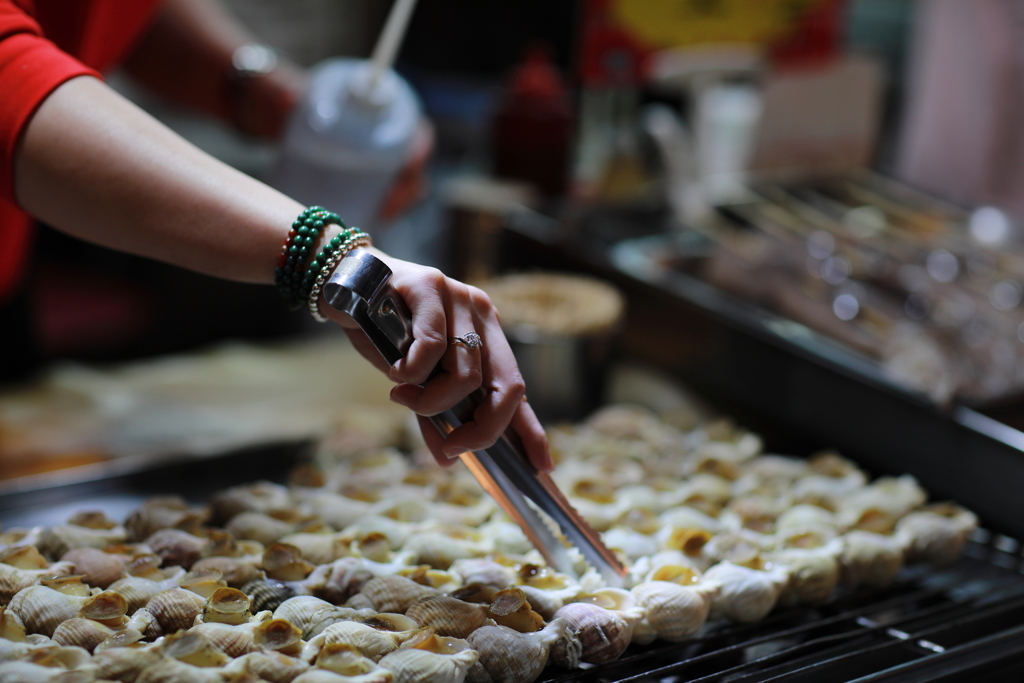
x=933, y=624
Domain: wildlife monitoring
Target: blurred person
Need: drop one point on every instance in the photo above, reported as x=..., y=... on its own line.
x=961, y=136
x=83, y=159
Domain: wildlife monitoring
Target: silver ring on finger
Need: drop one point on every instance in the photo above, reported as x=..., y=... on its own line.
x=471, y=340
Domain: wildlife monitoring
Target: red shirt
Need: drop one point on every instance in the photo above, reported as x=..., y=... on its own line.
x=43, y=44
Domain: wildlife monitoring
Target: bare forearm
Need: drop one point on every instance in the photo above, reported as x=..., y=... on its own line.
x=92, y=164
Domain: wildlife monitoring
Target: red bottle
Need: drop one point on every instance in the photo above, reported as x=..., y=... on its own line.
x=533, y=126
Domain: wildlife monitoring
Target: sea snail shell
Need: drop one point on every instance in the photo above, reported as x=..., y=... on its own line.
x=604, y=634
x=417, y=665
x=675, y=611
x=508, y=656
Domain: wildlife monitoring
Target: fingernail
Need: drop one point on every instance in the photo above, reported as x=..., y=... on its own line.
x=393, y=371
x=453, y=453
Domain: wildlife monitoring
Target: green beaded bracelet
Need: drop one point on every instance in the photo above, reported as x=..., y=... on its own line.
x=289, y=275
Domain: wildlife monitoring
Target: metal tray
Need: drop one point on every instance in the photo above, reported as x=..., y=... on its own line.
x=119, y=486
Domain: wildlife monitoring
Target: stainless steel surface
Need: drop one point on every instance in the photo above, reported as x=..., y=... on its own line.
x=359, y=287
x=120, y=486
x=565, y=375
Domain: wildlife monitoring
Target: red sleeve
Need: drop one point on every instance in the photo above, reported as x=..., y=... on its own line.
x=31, y=67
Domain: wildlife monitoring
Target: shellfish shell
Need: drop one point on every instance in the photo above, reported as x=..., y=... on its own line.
x=312, y=615
x=57, y=540
x=107, y=608
x=14, y=579
x=164, y=512
x=100, y=569
x=83, y=633
x=27, y=672
x=510, y=607
x=235, y=572
x=170, y=670
x=394, y=593
x=124, y=663
x=412, y=665
x=203, y=583
x=138, y=591
x=371, y=642
x=176, y=609
x=936, y=533
x=23, y=557
x=233, y=640
x=177, y=548
x=268, y=666
x=504, y=537
x=339, y=663
x=440, y=550
x=260, y=527
x=483, y=571
x=396, y=532
x=191, y=647
x=344, y=578
x=278, y=635
x=632, y=543
x=870, y=559
x=284, y=562
x=261, y=496
x=547, y=602
x=267, y=595
x=449, y=616
x=11, y=626
x=43, y=609
x=674, y=611
x=802, y=515
x=227, y=606
x=508, y=656
x=335, y=509
x=604, y=634
x=322, y=548
x=747, y=595
x=813, y=573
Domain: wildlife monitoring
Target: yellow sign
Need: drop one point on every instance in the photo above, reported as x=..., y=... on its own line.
x=675, y=23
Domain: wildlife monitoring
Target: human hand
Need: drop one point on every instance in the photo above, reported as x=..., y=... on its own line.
x=410, y=185
x=262, y=105
x=442, y=309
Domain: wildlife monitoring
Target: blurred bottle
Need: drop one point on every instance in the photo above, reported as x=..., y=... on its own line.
x=347, y=139
x=533, y=126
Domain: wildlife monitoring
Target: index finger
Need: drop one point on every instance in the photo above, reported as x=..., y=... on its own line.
x=429, y=328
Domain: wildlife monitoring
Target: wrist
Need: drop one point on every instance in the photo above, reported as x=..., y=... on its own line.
x=250, y=65
x=317, y=242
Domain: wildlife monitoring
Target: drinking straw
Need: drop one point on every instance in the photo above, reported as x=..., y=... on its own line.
x=390, y=39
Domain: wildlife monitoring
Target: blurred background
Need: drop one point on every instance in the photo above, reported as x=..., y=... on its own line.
x=606, y=68
x=810, y=208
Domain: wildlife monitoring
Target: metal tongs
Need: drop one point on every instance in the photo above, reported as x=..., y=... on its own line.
x=360, y=288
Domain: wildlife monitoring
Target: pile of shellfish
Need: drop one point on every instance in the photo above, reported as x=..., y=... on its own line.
x=365, y=567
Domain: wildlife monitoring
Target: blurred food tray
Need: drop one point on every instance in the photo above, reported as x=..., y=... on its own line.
x=802, y=388
x=119, y=486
